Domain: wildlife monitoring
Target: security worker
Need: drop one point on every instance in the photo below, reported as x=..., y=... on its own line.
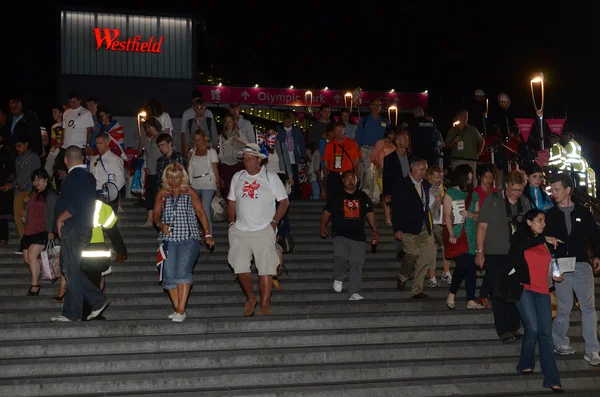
x=578, y=167
x=558, y=154
x=109, y=172
x=591, y=181
x=423, y=137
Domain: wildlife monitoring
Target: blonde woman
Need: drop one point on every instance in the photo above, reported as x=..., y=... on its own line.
x=231, y=142
x=177, y=209
x=204, y=172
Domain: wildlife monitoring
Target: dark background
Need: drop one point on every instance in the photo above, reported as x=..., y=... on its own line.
x=449, y=49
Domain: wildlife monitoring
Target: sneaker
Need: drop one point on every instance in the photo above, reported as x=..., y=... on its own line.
x=593, y=359
x=172, y=315
x=356, y=297
x=472, y=305
x=19, y=252
x=433, y=283
x=120, y=209
x=564, y=350
x=447, y=278
x=60, y=319
x=96, y=313
x=178, y=318
x=337, y=286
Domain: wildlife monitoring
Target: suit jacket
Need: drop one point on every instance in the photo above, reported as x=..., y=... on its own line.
x=299, y=150
x=29, y=127
x=408, y=214
x=393, y=173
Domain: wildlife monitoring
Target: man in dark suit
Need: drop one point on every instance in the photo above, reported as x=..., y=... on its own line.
x=412, y=223
x=26, y=125
x=396, y=167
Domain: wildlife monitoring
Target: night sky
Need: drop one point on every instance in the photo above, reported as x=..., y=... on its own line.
x=450, y=50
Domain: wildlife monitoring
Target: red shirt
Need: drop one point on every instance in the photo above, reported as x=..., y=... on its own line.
x=36, y=215
x=538, y=260
x=514, y=143
x=482, y=194
x=345, y=152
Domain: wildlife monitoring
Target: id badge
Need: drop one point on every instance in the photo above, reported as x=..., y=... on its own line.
x=460, y=145
x=112, y=177
x=337, y=161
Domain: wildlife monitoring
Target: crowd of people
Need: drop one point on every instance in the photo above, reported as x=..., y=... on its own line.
x=489, y=218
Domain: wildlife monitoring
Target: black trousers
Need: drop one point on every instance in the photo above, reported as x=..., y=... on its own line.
x=4, y=230
x=335, y=186
x=506, y=315
x=114, y=234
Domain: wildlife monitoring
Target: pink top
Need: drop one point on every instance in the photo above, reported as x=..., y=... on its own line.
x=482, y=194
x=36, y=216
x=379, y=152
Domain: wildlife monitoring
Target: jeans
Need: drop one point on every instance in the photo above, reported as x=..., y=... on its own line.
x=465, y=270
x=582, y=282
x=114, y=234
x=181, y=257
x=79, y=287
x=348, y=252
x=536, y=312
x=506, y=315
x=206, y=196
x=316, y=190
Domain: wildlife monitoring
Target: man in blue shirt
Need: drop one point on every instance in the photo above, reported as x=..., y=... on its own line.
x=370, y=129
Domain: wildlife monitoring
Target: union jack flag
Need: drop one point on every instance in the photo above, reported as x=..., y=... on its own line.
x=250, y=190
x=269, y=140
x=160, y=261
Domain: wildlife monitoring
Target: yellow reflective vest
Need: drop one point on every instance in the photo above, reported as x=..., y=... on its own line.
x=104, y=218
x=574, y=156
x=558, y=157
x=591, y=181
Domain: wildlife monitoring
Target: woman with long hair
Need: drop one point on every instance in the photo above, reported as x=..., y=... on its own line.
x=39, y=217
x=149, y=148
x=349, y=126
x=461, y=194
x=231, y=143
x=154, y=108
x=177, y=209
x=382, y=148
x=204, y=171
x=530, y=254
x=534, y=191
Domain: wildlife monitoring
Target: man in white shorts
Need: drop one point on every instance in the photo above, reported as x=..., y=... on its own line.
x=253, y=226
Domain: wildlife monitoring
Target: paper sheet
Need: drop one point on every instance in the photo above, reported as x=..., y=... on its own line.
x=566, y=265
x=457, y=207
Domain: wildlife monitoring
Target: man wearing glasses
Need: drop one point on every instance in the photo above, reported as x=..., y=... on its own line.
x=498, y=218
x=201, y=121
x=370, y=129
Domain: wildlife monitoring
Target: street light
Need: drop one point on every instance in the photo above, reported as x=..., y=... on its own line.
x=141, y=117
x=540, y=112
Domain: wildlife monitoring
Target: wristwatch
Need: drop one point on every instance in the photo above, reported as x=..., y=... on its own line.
x=479, y=251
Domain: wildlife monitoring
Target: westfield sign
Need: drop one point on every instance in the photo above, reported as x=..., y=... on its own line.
x=109, y=39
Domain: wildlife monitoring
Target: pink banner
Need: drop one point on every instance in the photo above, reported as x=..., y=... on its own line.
x=556, y=125
x=543, y=157
x=296, y=97
x=525, y=126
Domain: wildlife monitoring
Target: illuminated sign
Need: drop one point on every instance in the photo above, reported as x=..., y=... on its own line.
x=108, y=38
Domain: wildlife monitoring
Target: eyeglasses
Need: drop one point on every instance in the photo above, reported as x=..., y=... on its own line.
x=515, y=190
x=199, y=107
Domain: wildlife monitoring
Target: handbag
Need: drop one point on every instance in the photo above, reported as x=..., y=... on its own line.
x=452, y=251
x=51, y=261
x=96, y=258
x=218, y=209
x=508, y=289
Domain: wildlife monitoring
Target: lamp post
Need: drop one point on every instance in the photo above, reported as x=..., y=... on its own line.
x=140, y=119
x=540, y=112
x=393, y=109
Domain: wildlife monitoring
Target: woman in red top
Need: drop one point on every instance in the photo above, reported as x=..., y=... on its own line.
x=39, y=217
x=530, y=256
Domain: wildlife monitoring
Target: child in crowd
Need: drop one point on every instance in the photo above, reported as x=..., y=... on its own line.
x=436, y=194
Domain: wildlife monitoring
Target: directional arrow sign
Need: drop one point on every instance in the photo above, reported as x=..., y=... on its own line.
x=337, y=98
x=245, y=95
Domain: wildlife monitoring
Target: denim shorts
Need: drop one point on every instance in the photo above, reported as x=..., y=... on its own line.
x=181, y=257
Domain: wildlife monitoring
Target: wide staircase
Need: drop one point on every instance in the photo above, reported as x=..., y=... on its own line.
x=316, y=344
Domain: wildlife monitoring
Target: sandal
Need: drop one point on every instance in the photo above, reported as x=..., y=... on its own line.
x=36, y=293
x=59, y=298
x=557, y=389
x=527, y=371
x=249, y=308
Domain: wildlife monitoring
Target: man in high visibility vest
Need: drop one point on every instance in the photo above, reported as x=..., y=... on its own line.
x=578, y=167
x=558, y=154
x=591, y=181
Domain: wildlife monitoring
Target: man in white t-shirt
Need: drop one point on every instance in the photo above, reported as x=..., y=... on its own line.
x=78, y=124
x=253, y=217
x=191, y=112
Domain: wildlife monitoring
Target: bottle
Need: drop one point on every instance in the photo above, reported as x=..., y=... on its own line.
x=373, y=244
x=555, y=268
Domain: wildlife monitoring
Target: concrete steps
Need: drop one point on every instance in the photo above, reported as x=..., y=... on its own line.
x=317, y=344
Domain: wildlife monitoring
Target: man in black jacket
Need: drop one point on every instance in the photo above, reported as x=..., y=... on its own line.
x=26, y=125
x=576, y=226
x=412, y=223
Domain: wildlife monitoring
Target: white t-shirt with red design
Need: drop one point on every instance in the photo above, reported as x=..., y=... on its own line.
x=255, y=197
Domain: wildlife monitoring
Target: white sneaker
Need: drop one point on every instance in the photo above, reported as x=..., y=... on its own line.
x=60, y=319
x=356, y=297
x=96, y=313
x=447, y=278
x=564, y=350
x=337, y=286
x=178, y=318
x=172, y=315
x=433, y=283
x=593, y=359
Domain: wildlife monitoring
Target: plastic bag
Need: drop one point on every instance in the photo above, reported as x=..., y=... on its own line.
x=50, y=261
x=138, y=181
